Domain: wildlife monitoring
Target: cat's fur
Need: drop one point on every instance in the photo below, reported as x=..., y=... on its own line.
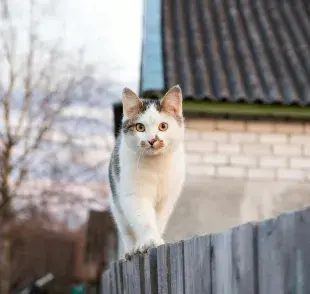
x=146, y=182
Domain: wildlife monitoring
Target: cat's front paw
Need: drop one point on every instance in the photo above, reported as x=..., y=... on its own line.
x=150, y=242
x=143, y=245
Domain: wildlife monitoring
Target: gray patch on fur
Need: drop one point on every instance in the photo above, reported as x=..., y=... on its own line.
x=114, y=168
x=114, y=174
x=128, y=125
x=147, y=103
x=179, y=119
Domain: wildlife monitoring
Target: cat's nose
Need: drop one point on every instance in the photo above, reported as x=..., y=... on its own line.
x=152, y=142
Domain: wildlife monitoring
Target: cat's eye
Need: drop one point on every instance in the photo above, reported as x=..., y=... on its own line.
x=163, y=127
x=140, y=127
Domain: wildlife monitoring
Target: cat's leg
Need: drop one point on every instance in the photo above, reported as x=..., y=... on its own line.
x=140, y=212
x=165, y=208
x=127, y=236
x=164, y=211
x=174, y=184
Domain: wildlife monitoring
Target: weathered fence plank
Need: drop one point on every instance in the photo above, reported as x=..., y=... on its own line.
x=163, y=276
x=233, y=264
x=113, y=279
x=176, y=261
x=106, y=283
x=150, y=272
x=119, y=277
x=283, y=254
x=115, y=282
x=270, y=257
x=197, y=265
x=302, y=221
x=133, y=275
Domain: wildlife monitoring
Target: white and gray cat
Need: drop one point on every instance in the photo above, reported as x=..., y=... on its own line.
x=147, y=168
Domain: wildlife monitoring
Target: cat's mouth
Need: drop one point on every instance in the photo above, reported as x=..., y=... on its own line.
x=158, y=144
x=153, y=146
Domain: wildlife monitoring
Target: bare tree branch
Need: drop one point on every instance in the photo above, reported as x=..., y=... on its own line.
x=40, y=84
x=7, y=104
x=9, y=51
x=29, y=71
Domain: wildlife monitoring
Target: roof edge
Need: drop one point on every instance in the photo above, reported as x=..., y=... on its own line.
x=246, y=116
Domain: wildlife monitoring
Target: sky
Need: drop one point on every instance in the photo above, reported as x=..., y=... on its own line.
x=111, y=32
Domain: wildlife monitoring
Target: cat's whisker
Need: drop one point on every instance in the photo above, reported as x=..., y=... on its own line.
x=137, y=150
x=139, y=156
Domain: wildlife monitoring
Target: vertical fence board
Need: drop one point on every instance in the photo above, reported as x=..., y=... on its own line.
x=116, y=278
x=126, y=277
x=119, y=277
x=163, y=275
x=150, y=271
x=233, y=261
x=176, y=260
x=197, y=270
x=106, y=283
x=271, y=251
x=303, y=251
x=244, y=259
x=221, y=261
x=113, y=278
x=283, y=254
x=133, y=275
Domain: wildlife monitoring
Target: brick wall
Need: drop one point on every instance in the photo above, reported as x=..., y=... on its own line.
x=248, y=150
x=238, y=172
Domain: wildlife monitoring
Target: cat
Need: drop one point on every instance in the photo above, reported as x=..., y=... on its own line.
x=147, y=168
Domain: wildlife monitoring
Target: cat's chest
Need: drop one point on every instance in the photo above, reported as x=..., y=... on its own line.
x=156, y=176
x=156, y=173
x=153, y=177
x=161, y=176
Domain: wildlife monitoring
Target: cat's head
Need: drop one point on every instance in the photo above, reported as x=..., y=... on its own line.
x=152, y=127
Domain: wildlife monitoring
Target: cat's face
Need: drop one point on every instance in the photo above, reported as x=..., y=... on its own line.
x=153, y=127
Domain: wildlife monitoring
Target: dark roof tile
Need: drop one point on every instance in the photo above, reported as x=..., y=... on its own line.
x=253, y=51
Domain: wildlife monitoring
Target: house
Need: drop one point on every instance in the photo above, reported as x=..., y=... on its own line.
x=244, y=69
x=101, y=244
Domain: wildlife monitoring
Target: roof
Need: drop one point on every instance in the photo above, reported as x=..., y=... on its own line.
x=247, y=51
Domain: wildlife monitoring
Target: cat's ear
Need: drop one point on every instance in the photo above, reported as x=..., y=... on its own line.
x=131, y=103
x=172, y=101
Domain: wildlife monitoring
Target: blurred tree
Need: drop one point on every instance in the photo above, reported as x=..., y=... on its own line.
x=43, y=166
x=39, y=81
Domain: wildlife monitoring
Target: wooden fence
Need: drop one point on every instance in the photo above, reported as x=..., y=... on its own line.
x=270, y=257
